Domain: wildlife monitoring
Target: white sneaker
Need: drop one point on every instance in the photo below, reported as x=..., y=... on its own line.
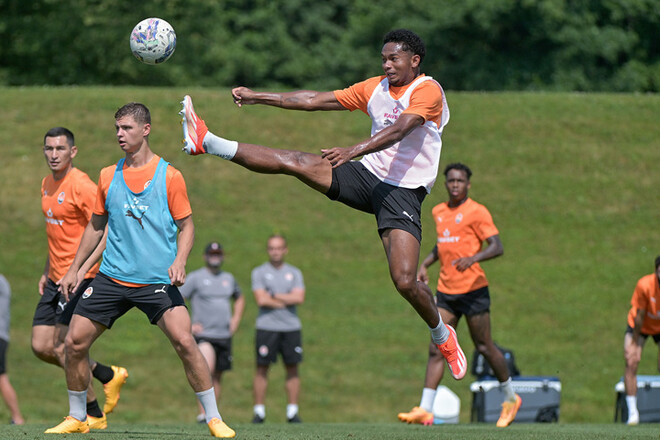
x=633, y=419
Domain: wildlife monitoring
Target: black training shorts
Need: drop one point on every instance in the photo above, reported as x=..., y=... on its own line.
x=394, y=207
x=105, y=300
x=269, y=344
x=3, y=356
x=53, y=309
x=222, y=349
x=656, y=337
x=468, y=304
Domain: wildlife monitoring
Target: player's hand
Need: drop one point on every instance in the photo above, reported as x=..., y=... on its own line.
x=242, y=95
x=177, y=274
x=42, y=284
x=463, y=264
x=67, y=284
x=197, y=328
x=633, y=352
x=337, y=156
x=423, y=275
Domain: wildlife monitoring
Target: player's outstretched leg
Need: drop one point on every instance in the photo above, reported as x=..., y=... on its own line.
x=112, y=388
x=196, y=136
x=454, y=355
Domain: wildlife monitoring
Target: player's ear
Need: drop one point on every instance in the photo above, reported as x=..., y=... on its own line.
x=146, y=129
x=414, y=61
x=74, y=151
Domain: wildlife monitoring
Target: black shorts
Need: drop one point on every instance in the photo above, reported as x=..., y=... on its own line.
x=222, y=348
x=288, y=344
x=53, y=309
x=393, y=206
x=3, y=356
x=656, y=337
x=105, y=300
x=468, y=304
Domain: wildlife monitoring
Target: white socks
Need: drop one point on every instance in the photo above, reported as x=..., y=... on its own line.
x=428, y=397
x=207, y=399
x=291, y=410
x=220, y=147
x=440, y=334
x=78, y=405
x=506, y=387
x=631, y=401
x=260, y=410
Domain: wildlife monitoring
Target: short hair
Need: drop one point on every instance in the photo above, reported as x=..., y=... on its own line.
x=60, y=131
x=657, y=262
x=280, y=236
x=138, y=111
x=458, y=166
x=410, y=42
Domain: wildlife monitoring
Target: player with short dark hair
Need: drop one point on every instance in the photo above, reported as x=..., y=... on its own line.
x=67, y=200
x=399, y=162
x=150, y=232
x=462, y=226
x=643, y=321
x=210, y=290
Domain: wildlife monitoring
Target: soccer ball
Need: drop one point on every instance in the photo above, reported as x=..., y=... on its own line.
x=153, y=41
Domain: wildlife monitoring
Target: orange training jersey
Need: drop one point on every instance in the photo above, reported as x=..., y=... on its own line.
x=138, y=179
x=67, y=206
x=646, y=297
x=461, y=233
x=425, y=101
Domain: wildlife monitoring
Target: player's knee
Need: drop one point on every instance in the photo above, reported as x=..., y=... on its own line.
x=405, y=283
x=75, y=347
x=42, y=349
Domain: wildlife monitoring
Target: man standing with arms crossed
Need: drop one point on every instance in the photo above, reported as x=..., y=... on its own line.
x=398, y=167
x=463, y=225
x=67, y=200
x=144, y=204
x=278, y=290
x=209, y=291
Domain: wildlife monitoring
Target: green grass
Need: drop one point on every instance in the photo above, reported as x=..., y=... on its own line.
x=362, y=431
x=571, y=181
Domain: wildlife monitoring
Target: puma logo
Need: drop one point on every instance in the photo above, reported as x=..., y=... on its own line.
x=129, y=213
x=162, y=289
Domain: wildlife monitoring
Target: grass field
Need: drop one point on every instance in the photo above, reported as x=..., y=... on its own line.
x=571, y=181
x=362, y=431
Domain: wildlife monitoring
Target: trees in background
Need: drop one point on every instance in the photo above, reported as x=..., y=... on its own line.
x=590, y=45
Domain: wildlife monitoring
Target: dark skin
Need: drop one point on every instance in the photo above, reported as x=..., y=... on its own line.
x=457, y=185
x=401, y=248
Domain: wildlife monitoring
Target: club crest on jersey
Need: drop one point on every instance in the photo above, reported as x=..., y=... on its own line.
x=60, y=197
x=459, y=218
x=288, y=276
x=88, y=292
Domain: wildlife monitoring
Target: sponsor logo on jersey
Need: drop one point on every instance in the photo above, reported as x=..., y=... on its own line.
x=52, y=221
x=448, y=238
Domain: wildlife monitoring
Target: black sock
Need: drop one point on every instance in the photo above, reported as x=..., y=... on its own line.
x=93, y=409
x=103, y=373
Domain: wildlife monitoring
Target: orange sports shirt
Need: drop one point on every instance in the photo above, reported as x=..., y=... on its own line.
x=67, y=205
x=461, y=233
x=425, y=101
x=137, y=179
x=646, y=297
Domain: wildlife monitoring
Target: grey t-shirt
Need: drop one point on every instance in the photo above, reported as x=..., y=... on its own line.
x=5, y=296
x=210, y=296
x=274, y=280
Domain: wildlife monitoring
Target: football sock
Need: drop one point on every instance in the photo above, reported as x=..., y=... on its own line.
x=440, y=334
x=291, y=410
x=220, y=147
x=260, y=410
x=428, y=396
x=93, y=409
x=507, y=388
x=78, y=404
x=102, y=373
x=207, y=399
x=631, y=401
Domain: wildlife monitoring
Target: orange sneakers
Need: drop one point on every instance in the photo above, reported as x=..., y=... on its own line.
x=454, y=355
x=509, y=411
x=70, y=425
x=194, y=129
x=417, y=415
x=218, y=428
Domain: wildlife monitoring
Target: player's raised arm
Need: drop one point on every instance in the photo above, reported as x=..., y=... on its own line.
x=300, y=100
